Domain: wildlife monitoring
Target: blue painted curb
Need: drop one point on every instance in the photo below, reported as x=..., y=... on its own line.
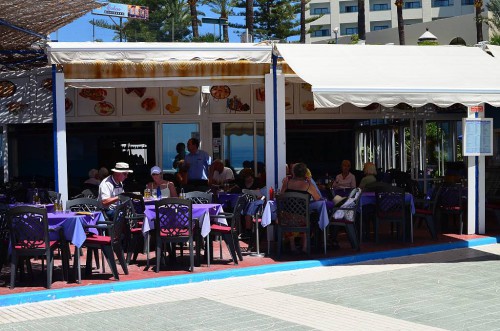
x=120, y=286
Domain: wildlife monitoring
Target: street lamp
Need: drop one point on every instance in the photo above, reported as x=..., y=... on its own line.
x=336, y=32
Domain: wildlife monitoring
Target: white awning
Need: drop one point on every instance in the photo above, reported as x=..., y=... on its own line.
x=495, y=50
x=159, y=64
x=389, y=74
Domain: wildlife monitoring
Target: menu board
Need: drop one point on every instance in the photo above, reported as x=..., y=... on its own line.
x=96, y=101
x=478, y=136
x=141, y=101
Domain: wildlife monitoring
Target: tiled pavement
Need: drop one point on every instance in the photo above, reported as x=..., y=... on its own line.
x=453, y=290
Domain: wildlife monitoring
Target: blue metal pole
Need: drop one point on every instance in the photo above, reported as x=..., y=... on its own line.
x=275, y=116
x=54, y=127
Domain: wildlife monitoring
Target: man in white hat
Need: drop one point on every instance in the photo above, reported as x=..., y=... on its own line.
x=112, y=186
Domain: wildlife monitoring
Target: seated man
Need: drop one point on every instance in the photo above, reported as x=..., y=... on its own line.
x=219, y=174
x=112, y=186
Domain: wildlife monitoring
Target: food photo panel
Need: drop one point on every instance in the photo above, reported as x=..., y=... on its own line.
x=259, y=98
x=141, y=101
x=306, y=102
x=15, y=99
x=96, y=102
x=226, y=99
x=181, y=100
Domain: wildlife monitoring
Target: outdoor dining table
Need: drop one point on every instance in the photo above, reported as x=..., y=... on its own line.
x=201, y=213
x=72, y=225
x=368, y=198
x=320, y=206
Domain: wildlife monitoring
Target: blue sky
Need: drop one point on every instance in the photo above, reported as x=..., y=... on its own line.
x=81, y=29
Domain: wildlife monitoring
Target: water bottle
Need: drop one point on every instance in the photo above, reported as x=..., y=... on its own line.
x=158, y=192
x=182, y=195
x=394, y=182
x=36, y=198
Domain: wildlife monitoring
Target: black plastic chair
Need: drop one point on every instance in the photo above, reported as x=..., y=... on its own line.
x=173, y=224
x=4, y=234
x=198, y=197
x=135, y=223
x=229, y=232
x=293, y=216
x=390, y=207
x=109, y=243
x=29, y=237
x=426, y=209
x=450, y=203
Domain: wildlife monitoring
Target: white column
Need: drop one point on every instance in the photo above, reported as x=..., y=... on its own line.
x=475, y=190
x=275, y=131
x=59, y=124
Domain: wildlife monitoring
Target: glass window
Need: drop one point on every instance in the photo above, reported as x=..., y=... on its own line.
x=380, y=6
x=351, y=31
x=349, y=9
x=442, y=3
x=321, y=33
x=380, y=27
x=173, y=134
x=467, y=2
x=320, y=11
x=412, y=4
x=241, y=143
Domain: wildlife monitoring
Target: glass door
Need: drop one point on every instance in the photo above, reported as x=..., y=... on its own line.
x=172, y=134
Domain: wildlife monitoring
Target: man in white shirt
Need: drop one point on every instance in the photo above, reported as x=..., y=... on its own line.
x=220, y=174
x=112, y=186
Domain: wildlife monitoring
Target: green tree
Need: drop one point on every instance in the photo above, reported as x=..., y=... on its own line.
x=223, y=8
x=274, y=19
x=194, y=17
x=493, y=20
x=169, y=20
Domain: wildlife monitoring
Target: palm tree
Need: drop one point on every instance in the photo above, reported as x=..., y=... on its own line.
x=478, y=4
x=303, y=21
x=194, y=17
x=249, y=16
x=361, y=20
x=401, y=26
x=224, y=9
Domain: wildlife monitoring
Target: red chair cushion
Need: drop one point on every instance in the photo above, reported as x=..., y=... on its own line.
x=36, y=245
x=423, y=211
x=136, y=230
x=98, y=240
x=220, y=228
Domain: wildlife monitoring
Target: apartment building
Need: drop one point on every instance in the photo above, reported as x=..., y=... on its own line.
x=341, y=16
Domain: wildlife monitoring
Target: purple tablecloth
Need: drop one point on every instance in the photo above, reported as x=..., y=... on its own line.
x=321, y=206
x=368, y=198
x=201, y=212
x=72, y=225
x=48, y=206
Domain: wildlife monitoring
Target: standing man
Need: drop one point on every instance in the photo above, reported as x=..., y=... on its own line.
x=112, y=186
x=198, y=162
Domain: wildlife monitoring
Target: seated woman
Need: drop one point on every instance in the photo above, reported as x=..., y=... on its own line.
x=167, y=188
x=299, y=183
x=370, y=172
x=345, y=179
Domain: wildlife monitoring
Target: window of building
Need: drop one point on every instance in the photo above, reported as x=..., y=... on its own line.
x=380, y=27
x=467, y=2
x=413, y=4
x=442, y=3
x=320, y=11
x=349, y=9
x=321, y=33
x=351, y=30
x=380, y=6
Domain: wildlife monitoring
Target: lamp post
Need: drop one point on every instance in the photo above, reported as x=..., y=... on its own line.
x=336, y=32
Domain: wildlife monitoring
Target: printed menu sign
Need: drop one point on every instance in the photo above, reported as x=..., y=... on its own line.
x=478, y=136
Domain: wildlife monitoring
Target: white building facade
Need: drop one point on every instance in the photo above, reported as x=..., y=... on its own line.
x=341, y=16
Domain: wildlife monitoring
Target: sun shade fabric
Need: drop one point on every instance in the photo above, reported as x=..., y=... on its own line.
x=70, y=52
x=389, y=75
x=495, y=50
